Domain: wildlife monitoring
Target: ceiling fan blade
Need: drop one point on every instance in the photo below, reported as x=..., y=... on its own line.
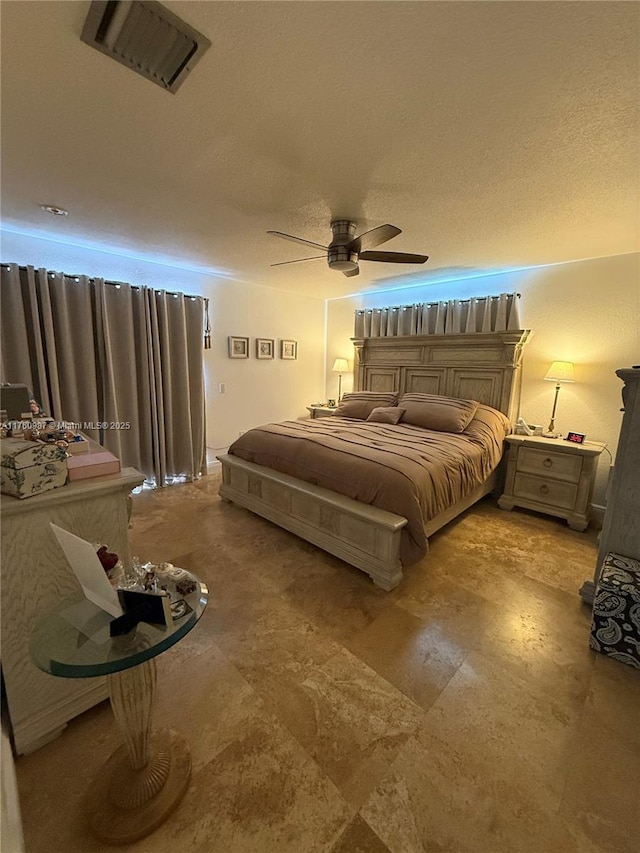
x=298, y=240
x=297, y=260
x=373, y=238
x=349, y=273
x=393, y=257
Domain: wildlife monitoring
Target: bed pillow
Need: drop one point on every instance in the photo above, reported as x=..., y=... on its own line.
x=386, y=414
x=360, y=404
x=445, y=414
x=487, y=424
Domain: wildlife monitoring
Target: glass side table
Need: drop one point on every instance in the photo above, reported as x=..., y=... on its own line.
x=144, y=780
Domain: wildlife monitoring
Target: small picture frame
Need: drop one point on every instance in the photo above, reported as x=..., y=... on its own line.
x=238, y=347
x=265, y=347
x=289, y=349
x=180, y=608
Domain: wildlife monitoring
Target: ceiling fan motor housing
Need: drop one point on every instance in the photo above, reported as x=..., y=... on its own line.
x=339, y=257
x=343, y=232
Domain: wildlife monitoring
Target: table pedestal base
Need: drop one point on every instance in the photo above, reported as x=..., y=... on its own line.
x=124, y=805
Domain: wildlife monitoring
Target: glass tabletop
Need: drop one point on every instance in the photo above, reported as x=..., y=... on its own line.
x=73, y=640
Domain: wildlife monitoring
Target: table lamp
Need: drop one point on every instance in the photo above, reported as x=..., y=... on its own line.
x=340, y=366
x=560, y=371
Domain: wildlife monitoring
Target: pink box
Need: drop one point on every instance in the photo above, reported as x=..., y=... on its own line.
x=92, y=465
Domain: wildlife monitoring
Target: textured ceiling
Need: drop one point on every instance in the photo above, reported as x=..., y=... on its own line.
x=495, y=135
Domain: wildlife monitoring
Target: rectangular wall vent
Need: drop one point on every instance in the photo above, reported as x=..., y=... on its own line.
x=146, y=37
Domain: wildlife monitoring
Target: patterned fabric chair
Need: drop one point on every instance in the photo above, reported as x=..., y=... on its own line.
x=615, y=626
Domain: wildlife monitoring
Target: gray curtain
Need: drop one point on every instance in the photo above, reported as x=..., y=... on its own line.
x=454, y=317
x=96, y=352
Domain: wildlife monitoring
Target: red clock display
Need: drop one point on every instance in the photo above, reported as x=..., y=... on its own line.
x=576, y=437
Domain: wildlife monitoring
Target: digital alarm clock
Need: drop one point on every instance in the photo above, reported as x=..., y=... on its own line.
x=576, y=437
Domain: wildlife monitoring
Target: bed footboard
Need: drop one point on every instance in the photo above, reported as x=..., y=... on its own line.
x=364, y=536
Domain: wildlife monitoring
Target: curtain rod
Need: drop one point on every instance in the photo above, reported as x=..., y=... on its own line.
x=113, y=283
x=442, y=302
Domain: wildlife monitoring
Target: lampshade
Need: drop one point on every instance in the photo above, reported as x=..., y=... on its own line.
x=340, y=365
x=560, y=371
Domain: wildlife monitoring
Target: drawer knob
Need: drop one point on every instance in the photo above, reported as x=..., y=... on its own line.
x=544, y=489
x=548, y=462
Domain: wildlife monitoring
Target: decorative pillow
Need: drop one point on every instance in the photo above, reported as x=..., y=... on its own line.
x=386, y=414
x=487, y=424
x=445, y=414
x=360, y=404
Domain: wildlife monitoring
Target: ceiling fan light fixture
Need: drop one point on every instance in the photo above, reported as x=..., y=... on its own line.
x=340, y=258
x=343, y=266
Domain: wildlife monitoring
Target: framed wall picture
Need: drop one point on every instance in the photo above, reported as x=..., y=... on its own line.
x=289, y=349
x=264, y=347
x=238, y=347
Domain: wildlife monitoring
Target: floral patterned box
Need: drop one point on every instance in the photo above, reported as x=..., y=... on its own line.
x=30, y=467
x=615, y=629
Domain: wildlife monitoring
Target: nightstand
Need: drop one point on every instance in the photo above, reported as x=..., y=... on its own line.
x=551, y=476
x=320, y=411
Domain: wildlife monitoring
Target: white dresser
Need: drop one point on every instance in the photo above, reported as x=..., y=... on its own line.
x=35, y=576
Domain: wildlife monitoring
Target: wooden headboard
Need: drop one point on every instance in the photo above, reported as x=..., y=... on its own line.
x=483, y=367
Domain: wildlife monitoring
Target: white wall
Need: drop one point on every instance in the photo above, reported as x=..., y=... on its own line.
x=260, y=391
x=257, y=391
x=587, y=312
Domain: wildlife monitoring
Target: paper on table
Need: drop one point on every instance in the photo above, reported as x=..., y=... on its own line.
x=88, y=569
x=87, y=620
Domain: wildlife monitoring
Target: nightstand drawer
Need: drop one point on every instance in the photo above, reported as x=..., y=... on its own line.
x=549, y=492
x=562, y=465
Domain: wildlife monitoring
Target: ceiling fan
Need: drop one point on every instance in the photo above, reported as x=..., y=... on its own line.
x=345, y=249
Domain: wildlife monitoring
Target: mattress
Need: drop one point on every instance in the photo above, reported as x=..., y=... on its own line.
x=411, y=471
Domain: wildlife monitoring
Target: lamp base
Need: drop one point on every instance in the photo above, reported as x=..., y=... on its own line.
x=550, y=431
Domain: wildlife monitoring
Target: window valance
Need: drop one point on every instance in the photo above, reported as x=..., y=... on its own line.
x=453, y=317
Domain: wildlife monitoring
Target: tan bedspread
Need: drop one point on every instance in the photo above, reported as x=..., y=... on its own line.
x=413, y=472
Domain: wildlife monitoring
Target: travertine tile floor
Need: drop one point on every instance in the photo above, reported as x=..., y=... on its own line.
x=461, y=712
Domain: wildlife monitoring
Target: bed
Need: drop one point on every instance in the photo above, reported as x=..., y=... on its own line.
x=372, y=493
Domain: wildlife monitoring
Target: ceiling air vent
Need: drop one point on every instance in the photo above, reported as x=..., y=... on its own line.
x=146, y=37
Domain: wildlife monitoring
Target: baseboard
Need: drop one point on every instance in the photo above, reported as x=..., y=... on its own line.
x=597, y=516
x=213, y=465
